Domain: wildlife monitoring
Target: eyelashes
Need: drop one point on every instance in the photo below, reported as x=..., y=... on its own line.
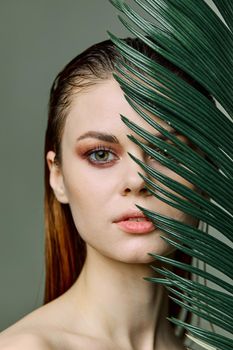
x=102, y=155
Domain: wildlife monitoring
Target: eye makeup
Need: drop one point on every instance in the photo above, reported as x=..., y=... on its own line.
x=98, y=154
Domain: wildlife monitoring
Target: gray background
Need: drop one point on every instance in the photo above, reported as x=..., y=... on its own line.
x=37, y=39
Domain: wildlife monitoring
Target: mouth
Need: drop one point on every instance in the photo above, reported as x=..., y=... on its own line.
x=133, y=226
x=135, y=222
x=137, y=219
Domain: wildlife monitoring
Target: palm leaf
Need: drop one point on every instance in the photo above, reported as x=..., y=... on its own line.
x=193, y=37
x=203, y=344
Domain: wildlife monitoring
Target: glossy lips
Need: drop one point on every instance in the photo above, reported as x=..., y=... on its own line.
x=135, y=222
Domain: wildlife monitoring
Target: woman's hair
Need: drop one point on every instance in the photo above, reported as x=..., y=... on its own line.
x=65, y=250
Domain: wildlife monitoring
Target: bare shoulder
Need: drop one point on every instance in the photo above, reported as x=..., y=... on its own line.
x=49, y=327
x=23, y=341
x=33, y=331
x=46, y=328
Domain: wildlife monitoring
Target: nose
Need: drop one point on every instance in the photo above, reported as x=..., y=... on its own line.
x=132, y=182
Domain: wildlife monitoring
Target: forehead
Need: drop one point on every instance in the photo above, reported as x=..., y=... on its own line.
x=98, y=108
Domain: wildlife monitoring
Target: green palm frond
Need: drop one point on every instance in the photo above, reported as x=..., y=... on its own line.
x=203, y=344
x=193, y=37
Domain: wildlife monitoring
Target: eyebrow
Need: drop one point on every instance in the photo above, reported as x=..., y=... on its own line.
x=113, y=139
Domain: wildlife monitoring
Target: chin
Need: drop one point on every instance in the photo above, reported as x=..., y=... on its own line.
x=139, y=253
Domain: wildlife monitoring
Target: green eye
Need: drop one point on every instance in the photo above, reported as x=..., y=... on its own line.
x=101, y=155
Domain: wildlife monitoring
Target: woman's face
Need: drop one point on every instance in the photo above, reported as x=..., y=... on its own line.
x=100, y=181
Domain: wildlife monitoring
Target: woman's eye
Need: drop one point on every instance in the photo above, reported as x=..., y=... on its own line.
x=101, y=156
x=162, y=152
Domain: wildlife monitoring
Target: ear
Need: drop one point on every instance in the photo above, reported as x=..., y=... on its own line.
x=56, y=178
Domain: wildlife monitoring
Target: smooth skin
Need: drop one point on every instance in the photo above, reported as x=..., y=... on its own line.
x=110, y=306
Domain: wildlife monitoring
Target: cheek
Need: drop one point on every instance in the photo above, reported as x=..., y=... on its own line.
x=89, y=193
x=168, y=209
x=173, y=176
x=80, y=181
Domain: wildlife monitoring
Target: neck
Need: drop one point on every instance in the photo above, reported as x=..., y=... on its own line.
x=116, y=303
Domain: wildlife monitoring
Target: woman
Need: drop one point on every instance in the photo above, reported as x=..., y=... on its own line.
x=97, y=241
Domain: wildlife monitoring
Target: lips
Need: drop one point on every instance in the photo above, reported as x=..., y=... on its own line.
x=133, y=215
x=134, y=222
